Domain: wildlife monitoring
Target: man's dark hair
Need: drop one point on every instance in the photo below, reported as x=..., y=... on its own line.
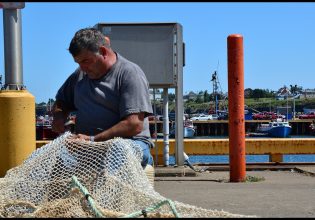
x=88, y=38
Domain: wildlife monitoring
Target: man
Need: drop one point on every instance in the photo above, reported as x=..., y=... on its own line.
x=109, y=94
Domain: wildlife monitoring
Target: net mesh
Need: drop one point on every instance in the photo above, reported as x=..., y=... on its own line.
x=110, y=171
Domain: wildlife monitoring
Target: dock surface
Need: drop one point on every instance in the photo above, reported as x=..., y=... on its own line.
x=281, y=193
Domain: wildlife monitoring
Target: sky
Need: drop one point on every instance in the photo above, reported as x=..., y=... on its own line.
x=278, y=38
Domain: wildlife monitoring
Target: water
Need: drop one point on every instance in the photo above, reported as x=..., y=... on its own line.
x=287, y=158
x=206, y=159
x=225, y=137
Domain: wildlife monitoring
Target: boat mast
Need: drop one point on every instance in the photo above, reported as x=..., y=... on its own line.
x=215, y=90
x=215, y=86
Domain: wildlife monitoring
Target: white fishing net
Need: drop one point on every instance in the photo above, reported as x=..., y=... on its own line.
x=110, y=183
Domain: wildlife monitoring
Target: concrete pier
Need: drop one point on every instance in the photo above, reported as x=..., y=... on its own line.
x=282, y=193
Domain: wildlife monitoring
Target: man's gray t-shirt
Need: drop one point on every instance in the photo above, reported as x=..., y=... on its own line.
x=102, y=103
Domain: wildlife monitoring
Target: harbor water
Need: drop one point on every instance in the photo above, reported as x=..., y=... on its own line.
x=213, y=159
x=207, y=159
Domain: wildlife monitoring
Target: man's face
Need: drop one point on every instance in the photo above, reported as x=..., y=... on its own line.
x=91, y=63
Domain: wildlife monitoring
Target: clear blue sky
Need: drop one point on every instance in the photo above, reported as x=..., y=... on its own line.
x=279, y=46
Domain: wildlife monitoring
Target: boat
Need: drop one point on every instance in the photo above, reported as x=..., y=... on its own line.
x=44, y=127
x=277, y=128
x=189, y=129
x=44, y=130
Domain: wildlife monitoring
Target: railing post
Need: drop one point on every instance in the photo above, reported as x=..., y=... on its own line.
x=166, y=125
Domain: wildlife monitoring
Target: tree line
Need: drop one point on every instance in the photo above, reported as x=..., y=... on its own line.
x=205, y=96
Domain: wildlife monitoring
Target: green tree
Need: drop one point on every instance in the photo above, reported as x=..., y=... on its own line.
x=248, y=93
x=199, y=98
x=295, y=89
x=206, y=96
x=171, y=97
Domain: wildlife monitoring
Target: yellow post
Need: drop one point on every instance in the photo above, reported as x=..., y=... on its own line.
x=17, y=128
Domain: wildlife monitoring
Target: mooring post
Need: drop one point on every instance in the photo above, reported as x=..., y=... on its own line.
x=17, y=105
x=236, y=108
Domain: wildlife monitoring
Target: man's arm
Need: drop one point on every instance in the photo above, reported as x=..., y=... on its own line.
x=126, y=128
x=60, y=113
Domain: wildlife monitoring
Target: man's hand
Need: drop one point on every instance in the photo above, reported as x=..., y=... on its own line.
x=80, y=136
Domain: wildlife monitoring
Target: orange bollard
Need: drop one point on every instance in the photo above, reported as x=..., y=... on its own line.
x=236, y=108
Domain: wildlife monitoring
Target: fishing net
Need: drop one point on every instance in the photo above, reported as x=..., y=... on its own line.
x=75, y=178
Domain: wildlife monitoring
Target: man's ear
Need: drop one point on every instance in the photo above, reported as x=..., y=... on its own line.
x=103, y=51
x=107, y=40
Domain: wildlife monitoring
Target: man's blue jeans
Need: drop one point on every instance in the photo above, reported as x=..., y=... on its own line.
x=147, y=157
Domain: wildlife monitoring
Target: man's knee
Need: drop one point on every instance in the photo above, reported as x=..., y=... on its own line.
x=146, y=154
x=147, y=158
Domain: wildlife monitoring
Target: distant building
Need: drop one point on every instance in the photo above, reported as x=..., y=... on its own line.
x=44, y=108
x=308, y=94
x=283, y=93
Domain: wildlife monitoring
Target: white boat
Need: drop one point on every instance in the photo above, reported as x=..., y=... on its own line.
x=276, y=128
x=189, y=129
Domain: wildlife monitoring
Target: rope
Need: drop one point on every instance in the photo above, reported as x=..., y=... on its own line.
x=144, y=212
x=76, y=183
x=152, y=208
